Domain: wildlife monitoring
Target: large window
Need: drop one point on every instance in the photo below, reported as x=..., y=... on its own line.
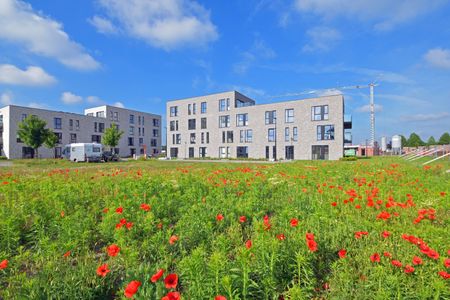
x=242, y=151
x=224, y=121
x=191, y=152
x=59, y=136
x=319, y=113
x=319, y=152
x=271, y=117
x=227, y=136
x=77, y=125
x=203, y=152
x=289, y=115
x=130, y=141
x=246, y=136
x=155, y=122
x=70, y=124
x=73, y=138
x=131, y=119
x=191, y=124
x=271, y=134
x=174, y=111
x=153, y=142
x=325, y=132
x=203, y=124
x=224, y=104
x=174, y=125
x=203, y=107
x=57, y=123
x=116, y=116
x=131, y=130
x=295, y=134
x=242, y=120
x=96, y=138
x=155, y=132
x=100, y=114
x=192, y=139
x=194, y=108
x=101, y=127
x=189, y=109
x=224, y=152
x=286, y=135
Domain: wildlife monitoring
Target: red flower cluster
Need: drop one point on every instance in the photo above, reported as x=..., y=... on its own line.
x=281, y=237
x=122, y=222
x=422, y=213
x=424, y=248
x=172, y=296
x=385, y=234
x=342, y=253
x=384, y=215
x=173, y=239
x=119, y=210
x=417, y=260
x=113, y=250
x=145, y=207
x=266, y=222
x=396, y=263
x=359, y=234
x=220, y=297
x=3, y=264
x=132, y=288
x=375, y=258
x=444, y=274
x=310, y=242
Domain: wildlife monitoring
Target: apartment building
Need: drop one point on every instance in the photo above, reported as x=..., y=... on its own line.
x=231, y=125
x=142, y=131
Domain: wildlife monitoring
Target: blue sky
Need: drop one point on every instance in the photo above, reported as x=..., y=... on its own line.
x=69, y=55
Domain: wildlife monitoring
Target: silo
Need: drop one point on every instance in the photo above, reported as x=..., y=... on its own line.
x=383, y=144
x=397, y=144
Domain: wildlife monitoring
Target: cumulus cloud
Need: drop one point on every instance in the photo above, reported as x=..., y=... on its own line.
x=70, y=98
x=119, y=104
x=438, y=57
x=366, y=108
x=32, y=76
x=94, y=100
x=6, y=98
x=424, y=117
x=385, y=14
x=103, y=25
x=166, y=24
x=322, y=38
x=41, y=35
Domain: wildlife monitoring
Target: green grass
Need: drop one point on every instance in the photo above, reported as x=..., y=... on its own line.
x=50, y=207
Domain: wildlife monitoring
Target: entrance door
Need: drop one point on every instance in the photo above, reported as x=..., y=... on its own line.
x=174, y=152
x=132, y=152
x=289, y=152
x=320, y=152
x=27, y=152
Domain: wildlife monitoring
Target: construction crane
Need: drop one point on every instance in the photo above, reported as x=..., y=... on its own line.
x=352, y=87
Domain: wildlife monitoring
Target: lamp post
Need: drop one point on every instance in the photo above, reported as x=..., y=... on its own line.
x=275, y=134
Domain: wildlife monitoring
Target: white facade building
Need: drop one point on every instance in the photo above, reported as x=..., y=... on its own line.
x=142, y=131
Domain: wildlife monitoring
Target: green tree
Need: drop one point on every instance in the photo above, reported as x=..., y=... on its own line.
x=444, y=139
x=112, y=137
x=431, y=141
x=415, y=140
x=404, y=141
x=51, y=140
x=33, y=133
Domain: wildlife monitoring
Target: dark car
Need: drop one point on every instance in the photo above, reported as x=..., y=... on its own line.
x=109, y=156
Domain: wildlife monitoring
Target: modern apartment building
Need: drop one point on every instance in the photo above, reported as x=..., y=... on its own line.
x=142, y=131
x=231, y=125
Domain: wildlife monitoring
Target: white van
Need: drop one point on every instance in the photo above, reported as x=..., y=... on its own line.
x=83, y=152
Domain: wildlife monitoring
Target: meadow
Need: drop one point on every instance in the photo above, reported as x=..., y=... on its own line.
x=369, y=229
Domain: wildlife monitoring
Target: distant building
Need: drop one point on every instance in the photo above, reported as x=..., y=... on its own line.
x=231, y=125
x=142, y=131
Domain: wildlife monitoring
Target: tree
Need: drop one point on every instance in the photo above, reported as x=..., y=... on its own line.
x=404, y=141
x=431, y=141
x=444, y=139
x=112, y=137
x=33, y=133
x=415, y=140
x=51, y=140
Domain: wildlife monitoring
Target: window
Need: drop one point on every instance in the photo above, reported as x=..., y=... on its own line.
x=111, y=116
x=295, y=134
x=194, y=108
x=224, y=152
x=271, y=134
x=57, y=123
x=191, y=124
x=141, y=141
x=100, y=114
x=325, y=132
x=155, y=132
x=131, y=130
x=143, y=131
x=224, y=104
x=240, y=103
x=246, y=136
x=73, y=138
x=153, y=142
x=267, y=152
x=59, y=136
x=174, y=152
x=241, y=119
x=289, y=152
x=227, y=136
x=95, y=127
x=174, y=111
x=70, y=124
x=274, y=152
x=90, y=114
x=286, y=134
x=77, y=125
x=131, y=119
x=173, y=125
x=24, y=116
x=203, y=123
x=192, y=139
x=139, y=120
x=101, y=127
x=139, y=131
x=189, y=109
x=96, y=138
x=130, y=141
x=242, y=136
x=155, y=122
x=202, y=138
x=242, y=151
x=191, y=152
x=203, y=107
x=203, y=152
x=207, y=137
x=224, y=121
x=319, y=113
x=142, y=120
x=178, y=139
x=319, y=152
x=116, y=116
x=289, y=115
x=271, y=117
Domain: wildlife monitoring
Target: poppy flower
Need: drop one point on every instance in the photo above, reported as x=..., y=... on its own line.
x=171, y=281
x=281, y=236
x=248, y=244
x=444, y=274
x=105, y=210
x=242, y=219
x=103, y=270
x=334, y=204
x=173, y=239
x=113, y=250
x=67, y=254
x=129, y=225
x=432, y=254
x=310, y=236
x=385, y=234
x=447, y=262
x=62, y=214
x=387, y=254
x=119, y=210
x=132, y=288
x=219, y=217
x=375, y=257
x=409, y=269
x=396, y=263
x=157, y=275
x=294, y=222
x=3, y=264
x=172, y=296
x=417, y=260
x=312, y=245
x=220, y=297
x=145, y=207
x=342, y=253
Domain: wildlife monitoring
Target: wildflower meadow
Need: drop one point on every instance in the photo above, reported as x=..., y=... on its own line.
x=368, y=229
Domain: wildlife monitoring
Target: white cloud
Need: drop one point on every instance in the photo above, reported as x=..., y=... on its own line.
x=366, y=108
x=37, y=105
x=438, y=57
x=385, y=14
x=166, y=24
x=322, y=39
x=38, y=34
x=257, y=52
x=118, y=104
x=425, y=117
x=70, y=98
x=6, y=98
x=103, y=25
x=32, y=76
x=94, y=100
x=329, y=92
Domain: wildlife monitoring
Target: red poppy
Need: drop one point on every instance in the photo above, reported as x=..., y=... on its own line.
x=219, y=217
x=172, y=296
x=132, y=288
x=396, y=263
x=312, y=245
x=67, y=254
x=129, y=225
x=310, y=236
x=294, y=222
x=173, y=239
x=105, y=210
x=145, y=207
x=442, y=194
x=157, y=275
x=119, y=210
x=447, y=262
x=281, y=236
x=387, y=254
x=375, y=257
x=444, y=274
x=113, y=250
x=3, y=264
x=62, y=214
x=220, y=297
x=386, y=234
x=334, y=203
x=342, y=253
x=103, y=270
x=417, y=260
x=171, y=281
x=432, y=254
x=248, y=244
x=409, y=269
x=242, y=219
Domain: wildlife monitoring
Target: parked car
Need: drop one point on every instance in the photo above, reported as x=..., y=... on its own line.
x=109, y=156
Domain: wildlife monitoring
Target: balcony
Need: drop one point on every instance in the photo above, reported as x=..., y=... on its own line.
x=347, y=122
